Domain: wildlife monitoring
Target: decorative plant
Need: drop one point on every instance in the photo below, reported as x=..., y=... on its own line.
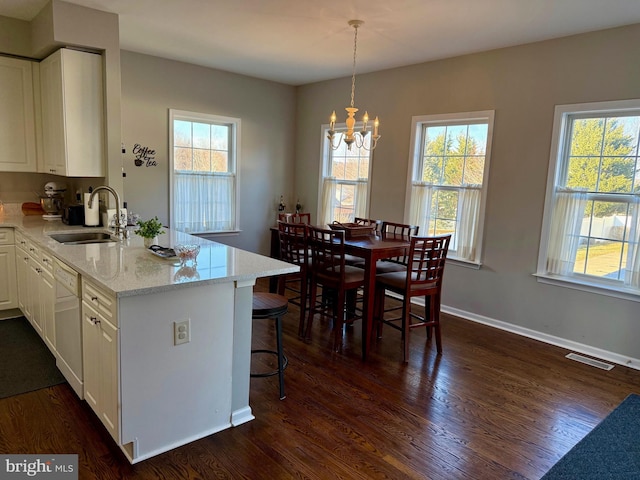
x=149, y=228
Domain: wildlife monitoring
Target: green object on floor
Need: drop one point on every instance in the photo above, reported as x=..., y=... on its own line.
x=26, y=364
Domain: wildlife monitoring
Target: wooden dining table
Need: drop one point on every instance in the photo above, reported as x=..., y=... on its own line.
x=371, y=249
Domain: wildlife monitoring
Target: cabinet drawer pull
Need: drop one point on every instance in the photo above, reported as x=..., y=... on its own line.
x=94, y=299
x=94, y=320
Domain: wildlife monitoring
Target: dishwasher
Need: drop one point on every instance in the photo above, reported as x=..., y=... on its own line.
x=68, y=321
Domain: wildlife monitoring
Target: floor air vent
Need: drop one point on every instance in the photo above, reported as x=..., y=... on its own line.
x=590, y=361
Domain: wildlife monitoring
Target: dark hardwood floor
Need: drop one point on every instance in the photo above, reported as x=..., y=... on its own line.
x=494, y=406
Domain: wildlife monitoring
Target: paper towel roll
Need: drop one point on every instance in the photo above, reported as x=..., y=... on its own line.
x=91, y=215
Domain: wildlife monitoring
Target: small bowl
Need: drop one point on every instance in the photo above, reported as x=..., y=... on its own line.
x=187, y=252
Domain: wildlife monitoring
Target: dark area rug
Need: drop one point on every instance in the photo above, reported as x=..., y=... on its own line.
x=611, y=451
x=26, y=364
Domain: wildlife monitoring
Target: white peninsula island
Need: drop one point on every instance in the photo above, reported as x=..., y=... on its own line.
x=151, y=391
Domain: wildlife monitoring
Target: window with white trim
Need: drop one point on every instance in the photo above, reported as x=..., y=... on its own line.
x=448, y=178
x=344, y=180
x=204, y=151
x=591, y=226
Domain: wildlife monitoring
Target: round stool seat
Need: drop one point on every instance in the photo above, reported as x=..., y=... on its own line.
x=271, y=305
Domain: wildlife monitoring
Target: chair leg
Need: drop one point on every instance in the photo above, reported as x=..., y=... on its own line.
x=280, y=356
x=351, y=301
x=428, y=311
x=378, y=310
x=312, y=309
x=435, y=316
x=338, y=319
x=406, y=327
x=304, y=288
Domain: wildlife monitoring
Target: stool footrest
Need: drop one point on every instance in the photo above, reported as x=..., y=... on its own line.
x=285, y=362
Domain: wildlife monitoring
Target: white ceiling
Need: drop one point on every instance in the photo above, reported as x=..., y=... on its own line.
x=302, y=41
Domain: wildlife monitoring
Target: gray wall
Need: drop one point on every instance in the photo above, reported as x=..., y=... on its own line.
x=522, y=84
x=281, y=151
x=152, y=85
x=60, y=24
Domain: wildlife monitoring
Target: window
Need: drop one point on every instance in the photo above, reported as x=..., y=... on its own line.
x=344, y=180
x=592, y=209
x=204, y=165
x=447, y=181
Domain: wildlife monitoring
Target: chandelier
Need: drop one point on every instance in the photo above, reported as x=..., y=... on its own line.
x=351, y=136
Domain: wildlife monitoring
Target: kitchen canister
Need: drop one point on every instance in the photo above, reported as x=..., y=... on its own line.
x=91, y=215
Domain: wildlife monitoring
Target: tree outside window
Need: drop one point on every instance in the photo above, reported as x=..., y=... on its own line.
x=592, y=221
x=204, y=159
x=448, y=182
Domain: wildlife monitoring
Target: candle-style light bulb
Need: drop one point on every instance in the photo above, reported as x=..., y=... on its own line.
x=376, y=124
x=333, y=120
x=365, y=120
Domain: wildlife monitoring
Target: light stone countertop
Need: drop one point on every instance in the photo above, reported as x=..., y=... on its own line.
x=127, y=268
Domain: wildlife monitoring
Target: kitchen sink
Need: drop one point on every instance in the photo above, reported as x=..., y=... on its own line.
x=81, y=238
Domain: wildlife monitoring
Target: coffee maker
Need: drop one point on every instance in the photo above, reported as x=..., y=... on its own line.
x=52, y=200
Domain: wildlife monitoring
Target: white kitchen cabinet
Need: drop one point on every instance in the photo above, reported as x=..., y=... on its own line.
x=17, y=119
x=36, y=289
x=72, y=99
x=100, y=356
x=8, y=290
x=22, y=267
x=47, y=296
x=34, y=307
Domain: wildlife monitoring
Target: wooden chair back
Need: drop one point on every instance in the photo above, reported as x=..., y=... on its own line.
x=304, y=218
x=293, y=243
x=368, y=221
x=426, y=265
x=399, y=229
x=327, y=254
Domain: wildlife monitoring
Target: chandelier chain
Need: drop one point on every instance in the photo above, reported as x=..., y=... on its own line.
x=353, y=76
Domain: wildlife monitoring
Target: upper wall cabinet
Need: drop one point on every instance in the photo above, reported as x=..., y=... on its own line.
x=72, y=99
x=17, y=126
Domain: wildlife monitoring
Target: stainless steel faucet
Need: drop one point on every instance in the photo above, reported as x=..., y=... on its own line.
x=120, y=230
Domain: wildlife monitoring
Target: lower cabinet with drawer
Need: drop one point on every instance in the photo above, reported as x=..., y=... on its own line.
x=8, y=290
x=100, y=355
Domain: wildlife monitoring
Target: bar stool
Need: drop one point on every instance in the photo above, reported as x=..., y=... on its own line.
x=271, y=305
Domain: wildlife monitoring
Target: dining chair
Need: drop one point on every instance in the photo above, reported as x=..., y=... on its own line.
x=295, y=218
x=329, y=271
x=395, y=230
x=302, y=218
x=422, y=278
x=294, y=249
x=367, y=222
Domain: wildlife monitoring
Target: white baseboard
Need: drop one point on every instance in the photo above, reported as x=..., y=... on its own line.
x=534, y=334
x=546, y=338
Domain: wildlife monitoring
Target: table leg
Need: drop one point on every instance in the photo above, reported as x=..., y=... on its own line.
x=367, y=303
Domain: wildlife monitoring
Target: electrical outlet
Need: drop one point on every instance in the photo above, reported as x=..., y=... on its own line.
x=182, y=332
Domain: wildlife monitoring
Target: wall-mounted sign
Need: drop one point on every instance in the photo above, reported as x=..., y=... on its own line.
x=144, y=156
